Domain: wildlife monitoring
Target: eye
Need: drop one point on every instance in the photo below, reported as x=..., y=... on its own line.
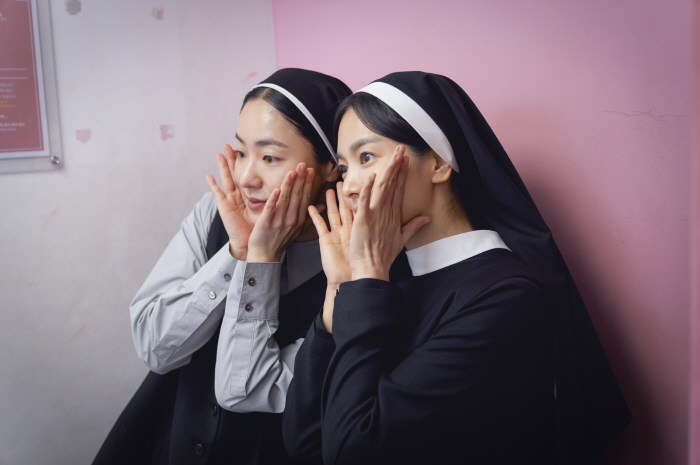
x=365, y=157
x=270, y=159
x=343, y=170
x=240, y=154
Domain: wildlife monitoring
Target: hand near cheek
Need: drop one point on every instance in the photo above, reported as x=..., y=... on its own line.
x=230, y=204
x=377, y=235
x=283, y=217
x=335, y=244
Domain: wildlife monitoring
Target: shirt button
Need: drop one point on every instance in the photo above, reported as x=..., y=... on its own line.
x=214, y=409
x=227, y=277
x=251, y=282
x=248, y=307
x=212, y=295
x=199, y=449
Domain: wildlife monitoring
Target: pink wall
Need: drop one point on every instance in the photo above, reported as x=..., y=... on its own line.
x=592, y=102
x=694, y=436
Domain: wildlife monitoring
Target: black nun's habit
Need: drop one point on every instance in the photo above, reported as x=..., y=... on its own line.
x=174, y=418
x=515, y=372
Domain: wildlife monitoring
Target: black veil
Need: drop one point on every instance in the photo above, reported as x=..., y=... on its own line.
x=591, y=410
x=315, y=94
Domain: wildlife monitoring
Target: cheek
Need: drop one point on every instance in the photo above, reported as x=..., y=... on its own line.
x=416, y=198
x=270, y=179
x=409, y=208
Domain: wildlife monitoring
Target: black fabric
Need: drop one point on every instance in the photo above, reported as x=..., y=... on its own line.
x=455, y=366
x=174, y=418
x=591, y=408
x=321, y=94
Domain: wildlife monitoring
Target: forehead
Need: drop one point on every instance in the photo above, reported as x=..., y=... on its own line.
x=352, y=128
x=259, y=119
x=353, y=135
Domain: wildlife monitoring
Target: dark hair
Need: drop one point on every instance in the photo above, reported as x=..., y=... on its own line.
x=383, y=120
x=291, y=113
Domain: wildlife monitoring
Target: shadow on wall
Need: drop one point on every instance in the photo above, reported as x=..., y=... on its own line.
x=641, y=442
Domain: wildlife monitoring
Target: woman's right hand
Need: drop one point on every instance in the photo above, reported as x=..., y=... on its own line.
x=230, y=204
x=335, y=244
x=335, y=247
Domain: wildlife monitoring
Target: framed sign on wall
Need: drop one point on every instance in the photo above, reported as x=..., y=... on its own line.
x=30, y=135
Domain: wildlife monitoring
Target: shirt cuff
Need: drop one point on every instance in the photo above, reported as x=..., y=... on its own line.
x=258, y=285
x=210, y=285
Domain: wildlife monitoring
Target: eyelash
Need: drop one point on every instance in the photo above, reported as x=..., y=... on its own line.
x=344, y=169
x=362, y=155
x=267, y=158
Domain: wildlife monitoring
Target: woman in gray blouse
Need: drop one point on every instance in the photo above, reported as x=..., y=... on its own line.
x=208, y=315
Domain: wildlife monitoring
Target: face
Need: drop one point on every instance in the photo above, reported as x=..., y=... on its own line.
x=267, y=148
x=362, y=152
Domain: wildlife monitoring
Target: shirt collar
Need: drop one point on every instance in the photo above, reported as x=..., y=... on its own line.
x=450, y=250
x=303, y=262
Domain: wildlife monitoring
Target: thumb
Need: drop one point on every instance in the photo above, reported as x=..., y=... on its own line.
x=410, y=228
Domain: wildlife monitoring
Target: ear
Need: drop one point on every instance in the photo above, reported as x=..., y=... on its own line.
x=441, y=170
x=330, y=171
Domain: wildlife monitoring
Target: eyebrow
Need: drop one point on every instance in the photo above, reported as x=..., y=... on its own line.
x=265, y=142
x=355, y=146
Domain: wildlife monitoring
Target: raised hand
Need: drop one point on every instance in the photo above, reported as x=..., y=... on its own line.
x=377, y=235
x=335, y=244
x=283, y=217
x=230, y=204
x=335, y=247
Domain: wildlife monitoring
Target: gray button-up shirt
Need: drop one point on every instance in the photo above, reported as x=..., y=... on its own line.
x=186, y=298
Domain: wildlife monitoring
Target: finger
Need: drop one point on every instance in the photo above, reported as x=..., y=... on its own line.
x=227, y=184
x=293, y=216
x=284, y=197
x=344, y=205
x=400, y=184
x=306, y=195
x=384, y=191
x=321, y=228
x=363, y=202
x=391, y=186
x=268, y=213
x=410, y=228
x=333, y=215
x=231, y=157
x=215, y=189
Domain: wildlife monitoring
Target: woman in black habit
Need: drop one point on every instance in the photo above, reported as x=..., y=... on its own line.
x=486, y=355
x=219, y=319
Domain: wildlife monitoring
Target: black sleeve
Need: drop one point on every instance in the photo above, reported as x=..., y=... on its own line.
x=483, y=373
x=301, y=423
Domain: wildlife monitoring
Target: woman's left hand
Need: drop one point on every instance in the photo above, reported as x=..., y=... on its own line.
x=283, y=217
x=377, y=235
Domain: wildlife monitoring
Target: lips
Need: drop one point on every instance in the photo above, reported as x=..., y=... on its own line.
x=255, y=204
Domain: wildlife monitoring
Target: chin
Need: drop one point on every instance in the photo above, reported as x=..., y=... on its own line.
x=251, y=216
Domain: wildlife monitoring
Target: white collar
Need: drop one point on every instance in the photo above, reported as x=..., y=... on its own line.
x=454, y=249
x=303, y=262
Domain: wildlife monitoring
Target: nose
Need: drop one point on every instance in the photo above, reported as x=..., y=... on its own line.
x=249, y=174
x=351, y=186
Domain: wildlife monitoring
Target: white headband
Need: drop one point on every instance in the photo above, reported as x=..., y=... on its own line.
x=306, y=113
x=414, y=115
